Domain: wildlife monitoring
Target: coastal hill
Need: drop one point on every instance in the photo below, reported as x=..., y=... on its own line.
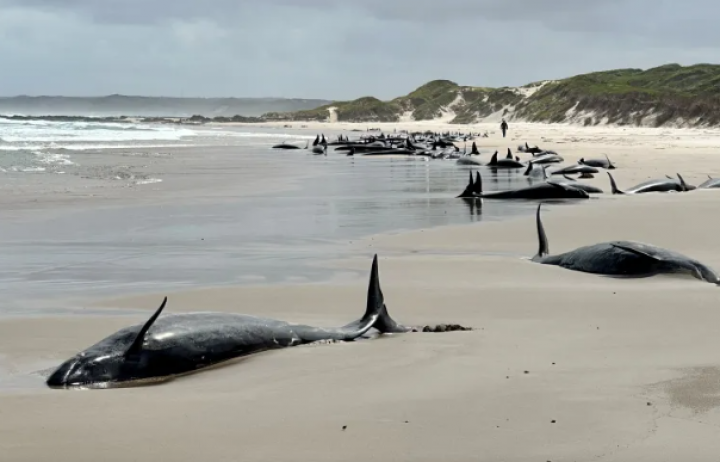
x=119, y=105
x=667, y=95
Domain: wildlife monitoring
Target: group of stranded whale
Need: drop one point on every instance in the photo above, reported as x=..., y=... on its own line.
x=426, y=145
x=551, y=186
x=169, y=346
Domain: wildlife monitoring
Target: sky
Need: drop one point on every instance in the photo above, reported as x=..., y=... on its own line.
x=335, y=49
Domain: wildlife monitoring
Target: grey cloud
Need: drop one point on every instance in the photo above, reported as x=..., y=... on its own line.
x=334, y=49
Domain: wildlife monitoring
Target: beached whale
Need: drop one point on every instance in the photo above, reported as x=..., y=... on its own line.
x=168, y=346
x=544, y=190
x=600, y=163
x=547, y=159
x=508, y=162
x=657, y=185
x=590, y=189
x=534, y=150
x=583, y=170
x=285, y=145
x=621, y=258
x=710, y=183
x=468, y=160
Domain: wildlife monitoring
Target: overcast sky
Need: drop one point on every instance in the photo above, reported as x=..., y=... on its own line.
x=335, y=49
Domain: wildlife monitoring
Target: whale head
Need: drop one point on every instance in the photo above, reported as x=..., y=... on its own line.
x=90, y=370
x=116, y=359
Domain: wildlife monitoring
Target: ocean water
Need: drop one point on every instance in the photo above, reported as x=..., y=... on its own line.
x=276, y=238
x=40, y=146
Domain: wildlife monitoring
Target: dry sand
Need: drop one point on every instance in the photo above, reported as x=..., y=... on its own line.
x=562, y=366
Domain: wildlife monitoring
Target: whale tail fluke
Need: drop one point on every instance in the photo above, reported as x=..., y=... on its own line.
x=613, y=185
x=544, y=172
x=478, y=186
x=543, y=247
x=468, y=191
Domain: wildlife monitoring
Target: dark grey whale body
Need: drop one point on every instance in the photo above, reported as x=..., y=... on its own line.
x=545, y=190
x=657, y=185
x=600, y=163
x=583, y=170
x=285, y=145
x=621, y=258
x=508, y=162
x=588, y=188
x=710, y=183
x=167, y=346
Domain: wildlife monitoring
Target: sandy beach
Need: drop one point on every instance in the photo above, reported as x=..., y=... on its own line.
x=560, y=366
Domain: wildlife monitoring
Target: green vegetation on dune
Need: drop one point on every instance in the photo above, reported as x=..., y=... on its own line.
x=626, y=96
x=664, y=94
x=427, y=101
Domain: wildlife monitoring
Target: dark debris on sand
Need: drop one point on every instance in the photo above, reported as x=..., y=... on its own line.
x=442, y=328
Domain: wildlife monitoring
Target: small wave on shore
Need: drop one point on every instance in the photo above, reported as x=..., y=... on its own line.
x=14, y=133
x=45, y=146
x=28, y=161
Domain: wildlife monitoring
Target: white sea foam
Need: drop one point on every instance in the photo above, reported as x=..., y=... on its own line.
x=52, y=134
x=149, y=181
x=87, y=147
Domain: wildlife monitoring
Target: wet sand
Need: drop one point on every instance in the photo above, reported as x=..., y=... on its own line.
x=562, y=366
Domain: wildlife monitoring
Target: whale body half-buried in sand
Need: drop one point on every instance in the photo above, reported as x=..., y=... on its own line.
x=621, y=259
x=168, y=346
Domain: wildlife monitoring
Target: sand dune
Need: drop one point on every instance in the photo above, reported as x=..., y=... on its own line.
x=562, y=366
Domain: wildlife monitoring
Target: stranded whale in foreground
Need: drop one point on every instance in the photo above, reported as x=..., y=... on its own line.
x=621, y=258
x=168, y=346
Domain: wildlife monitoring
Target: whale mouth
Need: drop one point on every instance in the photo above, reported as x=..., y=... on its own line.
x=111, y=384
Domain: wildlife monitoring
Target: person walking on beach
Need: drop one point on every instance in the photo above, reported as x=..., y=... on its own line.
x=504, y=127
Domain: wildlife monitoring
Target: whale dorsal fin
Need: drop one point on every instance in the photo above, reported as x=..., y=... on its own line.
x=683, y=185
x=543, y=247
x=493, y=160
x=613, y=186
x=136, y=346
x=610, y=164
